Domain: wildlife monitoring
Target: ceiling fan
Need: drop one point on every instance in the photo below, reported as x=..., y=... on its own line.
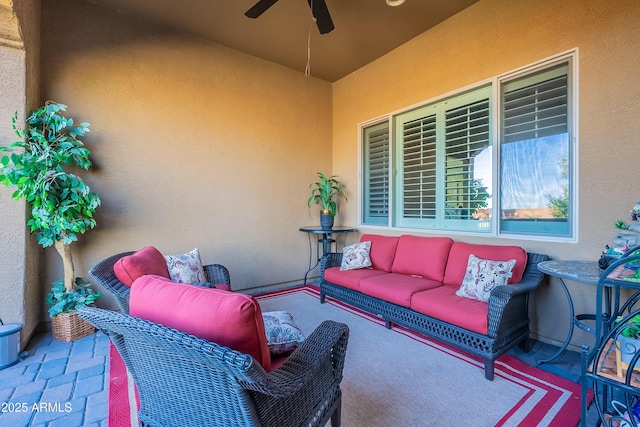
x=318, y=10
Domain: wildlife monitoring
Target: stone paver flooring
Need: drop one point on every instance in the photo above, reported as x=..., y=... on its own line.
x=57, y=384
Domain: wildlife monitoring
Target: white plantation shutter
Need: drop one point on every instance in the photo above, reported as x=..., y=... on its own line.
x=466, y=135
x=419, y=168
x=376, y=174
x=534, y=110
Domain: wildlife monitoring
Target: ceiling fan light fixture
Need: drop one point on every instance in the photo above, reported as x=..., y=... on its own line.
x=394, y=3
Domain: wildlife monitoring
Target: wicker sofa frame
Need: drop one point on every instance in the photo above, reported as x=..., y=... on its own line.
x=508, y=318
x=183, y=380
x=104, y=275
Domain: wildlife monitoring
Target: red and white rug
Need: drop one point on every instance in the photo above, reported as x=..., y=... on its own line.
x=123, y=397
x=438, y=384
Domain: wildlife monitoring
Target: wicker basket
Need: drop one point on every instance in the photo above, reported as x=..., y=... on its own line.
x=69, y=327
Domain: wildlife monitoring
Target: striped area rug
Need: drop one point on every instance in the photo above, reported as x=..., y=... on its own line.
x=400, y=378
x=123, y=397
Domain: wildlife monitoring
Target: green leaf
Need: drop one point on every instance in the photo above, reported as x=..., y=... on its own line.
x=61, y=301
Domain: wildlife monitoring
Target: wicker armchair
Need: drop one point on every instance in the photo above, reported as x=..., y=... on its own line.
x=104, y=275
x=186, y=381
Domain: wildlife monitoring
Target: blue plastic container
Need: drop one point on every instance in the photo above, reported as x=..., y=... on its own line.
x=9, y=344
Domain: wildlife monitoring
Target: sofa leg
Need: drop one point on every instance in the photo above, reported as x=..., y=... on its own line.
x=387, y=323
x=489, y=366
x=321, y=298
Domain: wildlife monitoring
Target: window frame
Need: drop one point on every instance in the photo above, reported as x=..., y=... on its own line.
x=570, y=58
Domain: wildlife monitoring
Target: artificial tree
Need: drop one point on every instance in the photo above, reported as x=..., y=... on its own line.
x=62, y=205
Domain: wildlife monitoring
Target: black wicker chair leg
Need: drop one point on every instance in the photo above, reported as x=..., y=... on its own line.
x=489, y=367
x=387, y=324
x=337, y=414
x=321, y=298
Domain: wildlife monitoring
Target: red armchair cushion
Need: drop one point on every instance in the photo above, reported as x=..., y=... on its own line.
x=459, y=258
x=382, y=252
x=147, y=260
x=226, y=318
x=422, y=256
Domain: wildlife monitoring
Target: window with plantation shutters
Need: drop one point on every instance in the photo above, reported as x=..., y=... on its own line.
x=536, y=154
x=497, y=158
x=376, y=174
x=437, y=146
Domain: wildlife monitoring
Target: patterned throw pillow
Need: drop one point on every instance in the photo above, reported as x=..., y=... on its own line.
x=282, y=334
x=484, y=275
x=186, y=268
x=356, y=256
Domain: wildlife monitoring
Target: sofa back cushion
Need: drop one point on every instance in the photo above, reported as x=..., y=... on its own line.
x=226, y=318
x=422, y=256
x=459, y=258
x=147, y=260
x=382, y=252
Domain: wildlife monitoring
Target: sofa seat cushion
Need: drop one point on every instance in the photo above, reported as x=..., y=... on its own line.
x=349, y=278
x=443, y=304
x=422, y=256
x=459, y=258
x=396, y=288
x=147, y=260
x=382, y=251
x=229, y=319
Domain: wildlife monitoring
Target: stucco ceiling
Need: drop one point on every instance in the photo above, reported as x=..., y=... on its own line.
x=364, y=29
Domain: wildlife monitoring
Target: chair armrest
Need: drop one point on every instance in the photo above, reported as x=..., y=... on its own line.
x=508, y=304
x=317, y=362
x=332, y=259
x=217, y=273
x=307, y=383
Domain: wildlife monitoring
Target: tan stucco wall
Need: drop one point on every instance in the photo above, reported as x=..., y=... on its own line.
x=19, y=53
x=493, y=37
x=12, y=233
x=195, y=144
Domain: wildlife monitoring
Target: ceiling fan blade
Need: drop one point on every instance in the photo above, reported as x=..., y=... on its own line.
x=259, y=8
x=321, y=13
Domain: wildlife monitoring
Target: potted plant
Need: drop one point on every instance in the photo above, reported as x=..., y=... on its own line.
x=627, y=342
x=323, y=192
x=62, y=205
